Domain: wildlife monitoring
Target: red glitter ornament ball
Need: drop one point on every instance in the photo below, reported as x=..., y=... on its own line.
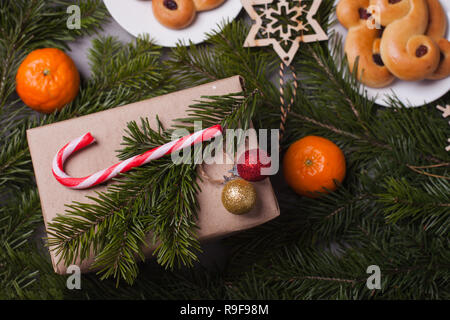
x=250, y=163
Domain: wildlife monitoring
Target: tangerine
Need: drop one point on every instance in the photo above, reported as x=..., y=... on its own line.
x=47, y=80
x=312, y=164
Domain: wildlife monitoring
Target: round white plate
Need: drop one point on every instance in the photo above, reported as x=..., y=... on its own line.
x=136, y=16
x=412, y=94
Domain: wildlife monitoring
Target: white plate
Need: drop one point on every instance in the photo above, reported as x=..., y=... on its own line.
x=412, y=94
x=136, y=16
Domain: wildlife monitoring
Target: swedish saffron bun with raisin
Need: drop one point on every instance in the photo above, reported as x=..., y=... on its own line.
x=171, y=22
x=396, y=47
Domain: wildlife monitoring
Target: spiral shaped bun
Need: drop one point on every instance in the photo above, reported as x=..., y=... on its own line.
x=436, y=31
x=174, y=14
x=363, y=44
x=406, y=51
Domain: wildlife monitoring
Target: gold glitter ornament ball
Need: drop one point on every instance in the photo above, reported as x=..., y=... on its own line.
x=238, y=196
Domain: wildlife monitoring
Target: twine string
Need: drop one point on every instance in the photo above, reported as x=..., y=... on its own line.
x=285, y=109
x=206, y=177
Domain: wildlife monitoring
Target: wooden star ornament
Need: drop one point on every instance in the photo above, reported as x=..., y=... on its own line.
x=283, y=24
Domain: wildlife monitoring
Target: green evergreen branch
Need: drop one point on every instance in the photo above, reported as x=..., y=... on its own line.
x=19, y=216
x=232, y=111
x=300, y=272
x=194, y=64
x=428, y=203
x=16, y=221
x=224, y=56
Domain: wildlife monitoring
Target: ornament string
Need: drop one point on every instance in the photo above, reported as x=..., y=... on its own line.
x=126, y=165
x=285, y=109
x=206, y=177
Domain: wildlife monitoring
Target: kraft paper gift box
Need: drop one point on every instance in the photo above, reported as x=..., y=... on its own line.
x=108, y=129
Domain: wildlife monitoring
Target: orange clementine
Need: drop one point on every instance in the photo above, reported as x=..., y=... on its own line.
x=47, y=80
x=311, y=164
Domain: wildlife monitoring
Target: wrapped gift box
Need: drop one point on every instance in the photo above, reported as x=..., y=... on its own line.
x=108, y=129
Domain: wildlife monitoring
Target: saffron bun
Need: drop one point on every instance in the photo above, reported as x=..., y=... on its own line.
x=203, y=5
x=406, y=51
x=174, y=14
x=436, y=31
x=363, y=44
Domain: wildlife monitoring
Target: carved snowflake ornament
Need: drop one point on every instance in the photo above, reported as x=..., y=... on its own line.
x=283, y=24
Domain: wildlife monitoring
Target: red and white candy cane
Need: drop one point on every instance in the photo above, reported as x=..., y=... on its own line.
x=125, y=165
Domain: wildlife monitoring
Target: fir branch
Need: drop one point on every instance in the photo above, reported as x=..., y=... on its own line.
x=232, y=111
x=300, y=272
x=428, y=203
x=93, y=15
x=131, y=73
x=224, y=56
x=135, y=66
x=19, y=217
x=15, y=160
x=18, y=222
